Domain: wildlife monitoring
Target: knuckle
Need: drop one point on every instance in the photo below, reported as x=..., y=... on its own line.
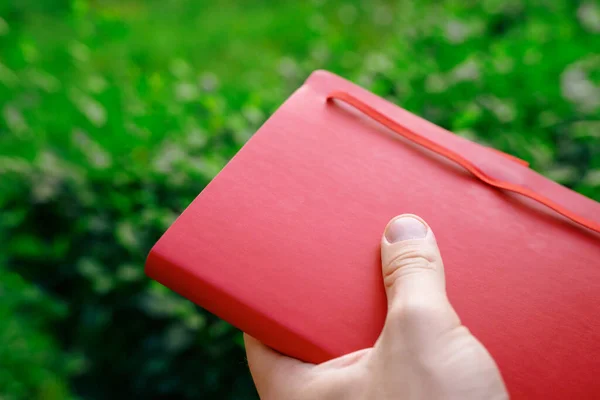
x=408, y=260
x=420, y=309
x=415, y=309
x=419, y=318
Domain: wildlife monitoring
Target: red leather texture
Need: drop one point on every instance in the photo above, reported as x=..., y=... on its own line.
x=570, y=212
x=284, y=242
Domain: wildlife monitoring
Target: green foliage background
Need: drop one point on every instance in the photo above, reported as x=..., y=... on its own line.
x=115, y=115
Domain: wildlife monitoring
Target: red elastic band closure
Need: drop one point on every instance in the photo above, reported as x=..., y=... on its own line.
x=468, y=165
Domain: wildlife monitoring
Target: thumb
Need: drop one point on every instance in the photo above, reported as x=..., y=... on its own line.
x=413, y=274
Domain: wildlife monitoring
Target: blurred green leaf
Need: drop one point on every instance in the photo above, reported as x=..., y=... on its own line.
x=114, y=115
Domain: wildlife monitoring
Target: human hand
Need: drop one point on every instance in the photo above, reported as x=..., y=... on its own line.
x=423, y=352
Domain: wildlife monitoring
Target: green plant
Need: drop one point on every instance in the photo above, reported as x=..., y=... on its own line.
x=116, y=114
x=31, y=365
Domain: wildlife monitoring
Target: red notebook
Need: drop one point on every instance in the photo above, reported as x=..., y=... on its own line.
x=284, y=242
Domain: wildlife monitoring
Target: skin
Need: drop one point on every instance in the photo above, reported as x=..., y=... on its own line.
x=423, y=352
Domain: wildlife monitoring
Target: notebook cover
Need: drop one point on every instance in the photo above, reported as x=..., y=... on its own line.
x=284, y=243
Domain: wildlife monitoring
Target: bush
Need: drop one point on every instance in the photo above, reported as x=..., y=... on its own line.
x=31, y=365
x=115, y=115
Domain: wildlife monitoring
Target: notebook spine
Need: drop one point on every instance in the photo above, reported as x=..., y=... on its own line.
x=218, y=301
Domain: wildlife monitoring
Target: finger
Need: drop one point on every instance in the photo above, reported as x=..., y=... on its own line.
x=343, y=361
x=414, y=280
x=274, y=374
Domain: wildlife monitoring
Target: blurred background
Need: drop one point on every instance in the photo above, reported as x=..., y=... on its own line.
x=115, y=114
